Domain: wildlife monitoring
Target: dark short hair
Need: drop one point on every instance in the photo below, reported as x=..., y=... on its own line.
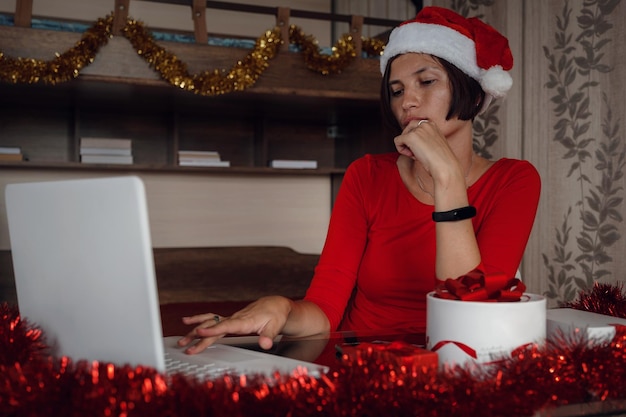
x=467, y=95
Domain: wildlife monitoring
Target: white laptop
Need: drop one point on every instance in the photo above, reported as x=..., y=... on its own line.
x=84, y=272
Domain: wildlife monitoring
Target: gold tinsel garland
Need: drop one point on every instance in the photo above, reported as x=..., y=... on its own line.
x=342, y=54
x=239, y=77
x=63, y=67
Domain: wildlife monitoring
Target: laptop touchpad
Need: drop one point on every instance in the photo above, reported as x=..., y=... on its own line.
x=218, y=353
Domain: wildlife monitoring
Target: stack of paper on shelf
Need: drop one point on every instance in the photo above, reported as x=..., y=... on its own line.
x=106, y=151
x=293, y=164
x=201, y=159
x=11, y=153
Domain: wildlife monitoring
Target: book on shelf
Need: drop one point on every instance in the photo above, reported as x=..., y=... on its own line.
x=192, y=158
x=10, y=150
x=105, y=151
x=106, y=159
x=293, y=164
x=11, y=157
x=185, y=154
x=11, y=153
x=203, y=163
x=89, y=142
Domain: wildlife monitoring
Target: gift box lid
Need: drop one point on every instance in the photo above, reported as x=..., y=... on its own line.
x=566, y=322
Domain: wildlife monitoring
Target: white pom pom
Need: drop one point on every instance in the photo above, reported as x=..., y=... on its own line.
x=496, y=81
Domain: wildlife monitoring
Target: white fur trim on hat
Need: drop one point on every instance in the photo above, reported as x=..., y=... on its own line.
x=448, y=44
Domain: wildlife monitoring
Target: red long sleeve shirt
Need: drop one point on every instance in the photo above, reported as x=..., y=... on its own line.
x=378, y=262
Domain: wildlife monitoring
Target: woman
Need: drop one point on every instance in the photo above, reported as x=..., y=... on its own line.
x=404, y=221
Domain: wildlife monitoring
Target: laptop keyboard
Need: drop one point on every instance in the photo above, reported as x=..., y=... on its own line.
x=203, y=371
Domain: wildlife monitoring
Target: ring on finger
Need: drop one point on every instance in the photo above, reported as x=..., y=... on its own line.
x=422, y=121
x=216, y=318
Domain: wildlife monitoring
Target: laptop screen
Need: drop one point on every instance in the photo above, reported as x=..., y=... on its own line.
x=84, y=271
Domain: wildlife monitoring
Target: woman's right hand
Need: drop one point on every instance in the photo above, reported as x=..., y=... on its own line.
x=422, y=141
x=266, y=317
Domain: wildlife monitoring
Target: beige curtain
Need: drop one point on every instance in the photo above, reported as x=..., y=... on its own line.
x=566, y=115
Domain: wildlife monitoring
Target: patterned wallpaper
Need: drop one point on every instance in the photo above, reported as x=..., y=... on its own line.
x=591, y=142
x=572, y=114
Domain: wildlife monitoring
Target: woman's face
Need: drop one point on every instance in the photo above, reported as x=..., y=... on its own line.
x=419, y=89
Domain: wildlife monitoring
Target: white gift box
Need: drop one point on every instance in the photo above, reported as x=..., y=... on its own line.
x=569, y=322
x=480, y=332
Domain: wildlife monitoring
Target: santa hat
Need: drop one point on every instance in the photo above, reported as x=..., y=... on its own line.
x=472, y=46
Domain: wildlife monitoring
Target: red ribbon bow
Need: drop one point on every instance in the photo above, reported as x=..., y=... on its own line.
x=476, y=286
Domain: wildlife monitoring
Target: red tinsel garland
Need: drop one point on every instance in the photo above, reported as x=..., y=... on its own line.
x=607, y=299
x=566, y=371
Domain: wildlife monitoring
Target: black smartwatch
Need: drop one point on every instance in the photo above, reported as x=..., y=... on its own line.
x=454, y=215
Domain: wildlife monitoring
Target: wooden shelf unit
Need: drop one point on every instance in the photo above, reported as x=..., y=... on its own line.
x=286, y=115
